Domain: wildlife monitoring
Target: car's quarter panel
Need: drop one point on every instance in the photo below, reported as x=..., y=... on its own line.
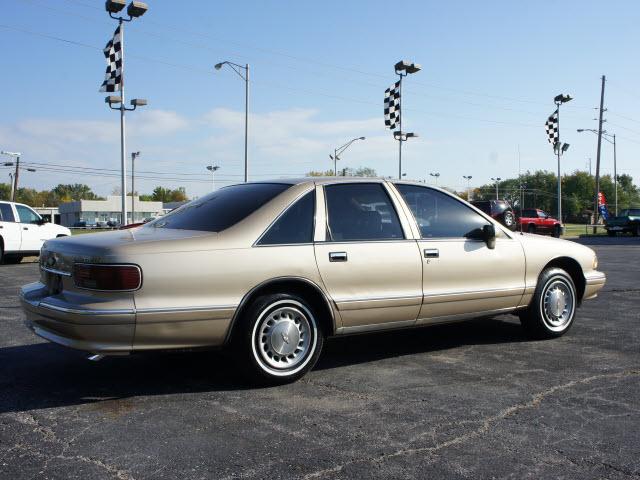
x=466, y=277
x=189, y=298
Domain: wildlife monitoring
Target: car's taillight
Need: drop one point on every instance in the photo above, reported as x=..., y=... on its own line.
x=107, y=277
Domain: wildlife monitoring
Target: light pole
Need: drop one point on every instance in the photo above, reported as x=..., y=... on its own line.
x=402, y=69
x=237, y=68
x=468, y=179
x=606, y=136
x=16, y=175
x=338, y=151
x=134, y=10
x=133, y=188
x=497, y=179
x=436, y=175
x=212, y=169
x=560, y=148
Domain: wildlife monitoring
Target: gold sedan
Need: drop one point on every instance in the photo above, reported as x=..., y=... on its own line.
x=273, y=268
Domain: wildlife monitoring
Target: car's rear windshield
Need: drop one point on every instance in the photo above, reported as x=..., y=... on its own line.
x=221, y=209
x=632, y=212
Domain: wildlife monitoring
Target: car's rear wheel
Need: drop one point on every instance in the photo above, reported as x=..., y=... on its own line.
x=1, y=252
x=531, y=229
x=636, y=230
x=280, y=339
x=552, y=309
x=557, y=230
x=611, y=233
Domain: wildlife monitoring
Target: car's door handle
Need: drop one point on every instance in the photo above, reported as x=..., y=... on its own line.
x=337, y=256
x=431, y=253
x=25, y=228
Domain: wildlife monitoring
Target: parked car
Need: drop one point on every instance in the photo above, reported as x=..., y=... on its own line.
x=269, y=269
x=627, y=222
x=80, y=224
x=534, y=220
x=23, y=231
x=499, y=210
x=113, y=224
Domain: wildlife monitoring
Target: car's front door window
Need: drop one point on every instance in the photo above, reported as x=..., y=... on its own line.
x=27, y=215
x=438, y=215
x=361, y=211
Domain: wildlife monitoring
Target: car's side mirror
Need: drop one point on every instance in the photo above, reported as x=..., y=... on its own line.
x=489, y=236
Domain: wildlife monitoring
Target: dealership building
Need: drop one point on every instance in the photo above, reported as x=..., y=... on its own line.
x=93, y=211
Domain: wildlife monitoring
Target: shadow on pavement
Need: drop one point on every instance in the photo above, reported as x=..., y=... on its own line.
x=45, y=375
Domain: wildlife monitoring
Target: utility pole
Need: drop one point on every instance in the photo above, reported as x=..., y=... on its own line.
x=15, y=179
x=615, y=172
x=133, y=189
x=497, y=180
x=596, y=202
x=468, y=179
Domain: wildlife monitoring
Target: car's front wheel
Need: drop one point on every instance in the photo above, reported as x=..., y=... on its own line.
x=552, y=309
x=280, y=339
x=636, y=230
x=509, y=220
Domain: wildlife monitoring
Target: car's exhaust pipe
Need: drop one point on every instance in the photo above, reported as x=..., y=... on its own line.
x=96, y=357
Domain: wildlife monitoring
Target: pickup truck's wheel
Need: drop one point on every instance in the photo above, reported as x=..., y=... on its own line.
x=611, y=233
x=557, y=230
x=531, y=229
x=1, y=252
x=551, y=312
x=13, y=259
x=636, y=230
x=280, y=339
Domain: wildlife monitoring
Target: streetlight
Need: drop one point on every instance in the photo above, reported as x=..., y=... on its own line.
x=134, y=10
x=14, y=183
x=237, y=68
x=213, y=169
x=559, y=148
x=133, y=189
x=605, y=135
x=497, y=179
x=402, y=69
x=468, y=179
x=436, y=175
x=338, y=151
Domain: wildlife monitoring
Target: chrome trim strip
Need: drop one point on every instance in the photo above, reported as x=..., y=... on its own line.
x=204, y=308
x=463, y=316
x=595, y=278
x=78, y=311
x=373, y=299
x=54, y=271
x=507, y=292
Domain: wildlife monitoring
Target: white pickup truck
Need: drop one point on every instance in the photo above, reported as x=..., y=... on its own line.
x=23, y=231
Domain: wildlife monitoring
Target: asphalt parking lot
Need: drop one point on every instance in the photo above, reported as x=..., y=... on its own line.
x=470, y=400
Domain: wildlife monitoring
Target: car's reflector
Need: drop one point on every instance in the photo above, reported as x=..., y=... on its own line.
x=107, y=277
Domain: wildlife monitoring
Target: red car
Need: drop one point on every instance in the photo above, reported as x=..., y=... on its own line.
x=534, y=220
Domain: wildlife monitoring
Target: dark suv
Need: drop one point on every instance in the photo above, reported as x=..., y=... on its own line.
x=498, y=209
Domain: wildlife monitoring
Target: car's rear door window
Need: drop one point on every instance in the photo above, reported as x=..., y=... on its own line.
x=295, y=225
x=221, y=209
x=6, y=213
x=361, y=211
x=438, y=215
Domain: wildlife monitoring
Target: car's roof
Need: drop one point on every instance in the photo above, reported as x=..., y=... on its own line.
x=321, y=180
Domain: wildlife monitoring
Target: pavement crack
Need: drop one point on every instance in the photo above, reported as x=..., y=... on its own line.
x=485, y=426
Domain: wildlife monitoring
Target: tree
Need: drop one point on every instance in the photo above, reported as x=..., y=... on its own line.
x=75, y=191
x=5, y=191
x=162, y=194
x=347, y=172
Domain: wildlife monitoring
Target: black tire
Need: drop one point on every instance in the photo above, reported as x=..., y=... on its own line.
x=636, y=230
x=611, y=233
x=557, y=231
x=1, y=252
x=531, y=229
x=540, y=320
x=509, y=220
x=264, y=349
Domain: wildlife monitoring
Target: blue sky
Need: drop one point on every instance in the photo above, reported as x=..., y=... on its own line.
x=319, y=70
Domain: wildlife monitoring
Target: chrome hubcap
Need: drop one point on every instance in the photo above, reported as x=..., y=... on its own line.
x=283, y=338
x=558, y=305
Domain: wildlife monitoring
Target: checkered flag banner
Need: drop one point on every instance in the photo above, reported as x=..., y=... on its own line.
x=551, y=127
x=113, y=54
x=392, y=105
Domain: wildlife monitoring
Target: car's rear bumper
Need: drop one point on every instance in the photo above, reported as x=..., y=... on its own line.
x=594, y=281
x=99, y=330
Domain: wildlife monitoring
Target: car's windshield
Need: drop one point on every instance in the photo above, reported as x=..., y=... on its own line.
x=221, y=209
